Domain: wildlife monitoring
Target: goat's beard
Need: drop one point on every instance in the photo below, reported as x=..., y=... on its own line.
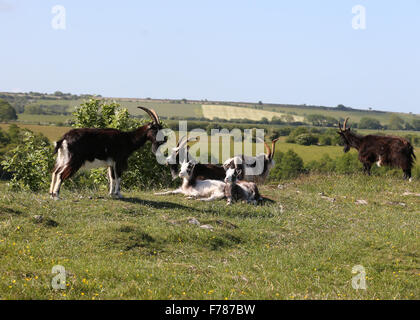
x=346, y=148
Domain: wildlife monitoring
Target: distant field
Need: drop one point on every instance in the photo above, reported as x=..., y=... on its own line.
x=230, y=112
x=51, y=132
x=164, y=109
x=42, y=119
x=355, y=116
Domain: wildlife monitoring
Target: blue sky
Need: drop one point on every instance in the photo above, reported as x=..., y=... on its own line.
x=300, y=51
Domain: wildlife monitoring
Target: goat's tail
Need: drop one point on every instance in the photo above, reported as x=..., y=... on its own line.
x=58, y=145
x=411, y=154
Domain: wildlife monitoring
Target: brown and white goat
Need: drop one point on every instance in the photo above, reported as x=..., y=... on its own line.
x=254, y=169
x=384, y=150
x=203, y=171
x=236, y=190
x=93, y=147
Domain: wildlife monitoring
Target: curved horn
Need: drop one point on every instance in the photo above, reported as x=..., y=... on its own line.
x=273, y=146
x=152, y=113
x=345, y=124
x=339, y=126
x=267, y=148
x=179, y=141
x=185, y=142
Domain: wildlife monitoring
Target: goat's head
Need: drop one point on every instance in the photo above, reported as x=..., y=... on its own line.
x=344, y=134
x=180, y=152
x=233, y=174
x=153, y=128
x=187, y=168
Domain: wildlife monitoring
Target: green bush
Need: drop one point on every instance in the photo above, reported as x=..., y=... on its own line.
x=348, y=163
x=295, y=133
x=324, y=165
x=30, y=163
x=7, y=112
x=288, y=165
x=306, y=139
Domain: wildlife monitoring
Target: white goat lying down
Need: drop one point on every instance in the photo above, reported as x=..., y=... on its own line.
x=240, y=190
x=207, y=190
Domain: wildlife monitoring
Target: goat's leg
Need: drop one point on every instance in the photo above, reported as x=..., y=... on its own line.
x=214, y=196
x=64, y=173
x=229, y=201
x=176, y=191
x=56, y=189
x=366, y=168
x=111, y=178
x=119, y=166
x=53, y=181
x=407, y=174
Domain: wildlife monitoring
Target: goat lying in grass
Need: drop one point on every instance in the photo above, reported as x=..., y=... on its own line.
x=206, y=190
x=240, y=190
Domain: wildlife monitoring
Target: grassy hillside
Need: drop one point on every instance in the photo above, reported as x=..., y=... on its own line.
x=302, y=246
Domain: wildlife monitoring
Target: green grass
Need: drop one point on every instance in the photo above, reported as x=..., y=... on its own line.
x=300, y=247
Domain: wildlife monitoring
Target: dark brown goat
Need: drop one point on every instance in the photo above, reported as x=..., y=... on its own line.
x=92, y=147
x=384, y=150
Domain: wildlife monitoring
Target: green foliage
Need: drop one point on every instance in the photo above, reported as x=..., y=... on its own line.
x=288, y=165
x=306, y=139
x=348, y=163
x=395, y=123
x=7, y=112
x=52, y=109
x=416, y=124
x=324, y=165
x=369, y=123
x=296, y=132
x=30, y=163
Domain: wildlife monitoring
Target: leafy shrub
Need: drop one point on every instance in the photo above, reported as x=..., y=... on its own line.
x=324, y=165
x=306, y=139
x=348, y=163
x=369, y=123
x=30, y=163
x=7, y=112
x=288, y=165
x=295, y=133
